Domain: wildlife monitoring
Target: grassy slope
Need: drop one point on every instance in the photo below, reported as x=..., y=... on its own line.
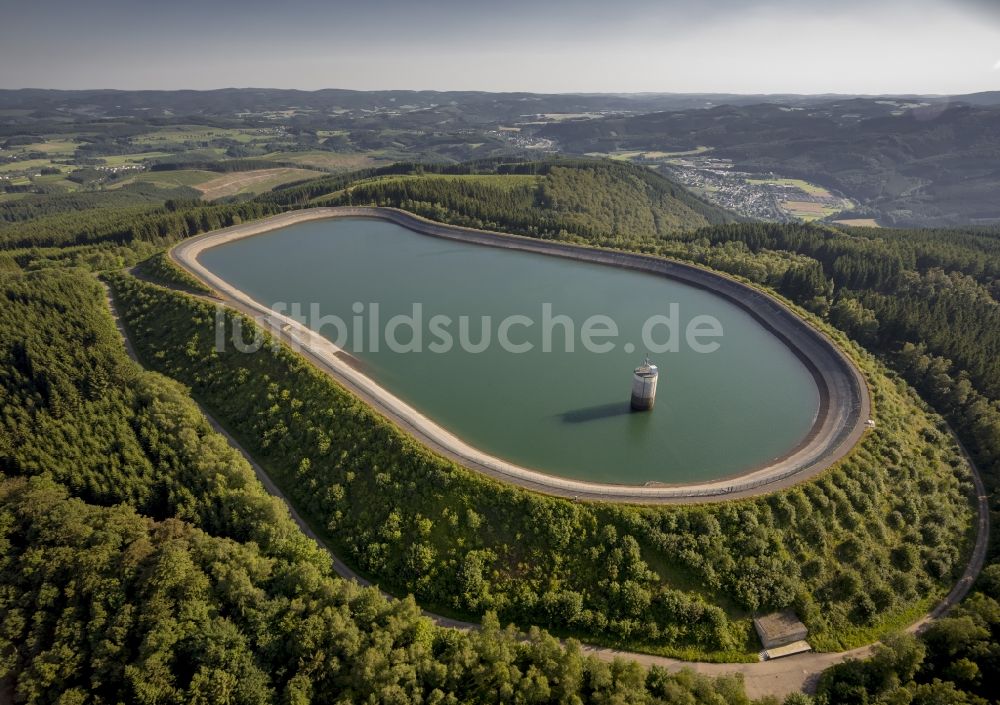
x=178, y=177
x=592, y=200
x=214, y=185
x=334, y=161
x=840, y=540
x=251, y=182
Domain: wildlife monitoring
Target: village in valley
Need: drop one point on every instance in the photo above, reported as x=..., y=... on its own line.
x=758, y=196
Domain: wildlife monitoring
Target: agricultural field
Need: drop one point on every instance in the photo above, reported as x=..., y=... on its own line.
x=812, y=210
x=805, y=210
x=330, y=161
x=811, y=189
x=215, y=185
x=137, y=158
x=114, y=162
x=178, y=134
x=24, y=165
x=171, y=179
x=53, y=147
x=57, y=181
x=251, y=182
x=648, y=155
x=64, y=154
x=859, y=222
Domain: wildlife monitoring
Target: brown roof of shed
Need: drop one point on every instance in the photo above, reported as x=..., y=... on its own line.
x=778, y=625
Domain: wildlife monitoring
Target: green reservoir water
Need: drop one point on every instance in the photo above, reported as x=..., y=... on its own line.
x=564, y=413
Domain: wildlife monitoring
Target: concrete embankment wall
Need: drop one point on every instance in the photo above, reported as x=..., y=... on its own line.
x=844, y=398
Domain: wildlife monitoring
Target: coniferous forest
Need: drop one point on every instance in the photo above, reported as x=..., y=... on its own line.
x=143, y=562
x=839, y=550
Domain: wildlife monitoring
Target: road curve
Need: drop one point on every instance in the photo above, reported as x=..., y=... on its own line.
x=845, y=403
x=778, y=677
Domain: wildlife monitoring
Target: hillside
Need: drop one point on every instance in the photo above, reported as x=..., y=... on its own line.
x=902, y=160
x=668, y=579
x=463, y=107
x=860, y=551
x=143, y=562
x=909, y=164
x=591, y=200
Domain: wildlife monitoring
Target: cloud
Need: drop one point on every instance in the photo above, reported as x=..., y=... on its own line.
x=988, y=6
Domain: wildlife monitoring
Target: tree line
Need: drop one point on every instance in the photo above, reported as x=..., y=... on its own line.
x=885, y=529
x=161, y=225
x=142, y=562
x=840, y=561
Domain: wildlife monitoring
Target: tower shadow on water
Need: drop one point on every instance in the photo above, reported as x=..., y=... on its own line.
x=596, y=413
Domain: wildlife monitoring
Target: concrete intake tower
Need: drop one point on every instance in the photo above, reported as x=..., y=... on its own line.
x=644, y=386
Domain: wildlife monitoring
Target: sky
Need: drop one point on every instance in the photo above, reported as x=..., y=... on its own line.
x=557, y=46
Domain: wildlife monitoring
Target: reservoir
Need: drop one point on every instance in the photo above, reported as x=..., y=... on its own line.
x=561, y=412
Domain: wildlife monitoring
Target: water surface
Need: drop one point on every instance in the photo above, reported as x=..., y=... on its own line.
x=562, y=413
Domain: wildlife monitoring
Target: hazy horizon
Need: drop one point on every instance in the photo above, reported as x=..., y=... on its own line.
x=500, y=92
x=876, y=47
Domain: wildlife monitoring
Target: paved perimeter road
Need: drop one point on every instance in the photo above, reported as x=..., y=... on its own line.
x=845, y=403
x=778, y=677
x=800, y=672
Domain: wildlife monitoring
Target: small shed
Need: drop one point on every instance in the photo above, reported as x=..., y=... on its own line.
x=780, y=629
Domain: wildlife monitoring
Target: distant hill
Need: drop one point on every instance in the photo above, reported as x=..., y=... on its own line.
x=374, y=107
x=986, y=98
x=458, y=107
x=474, y=105
x=909, y=163
x=906, y=160
x=594, y=201
x=496, y=106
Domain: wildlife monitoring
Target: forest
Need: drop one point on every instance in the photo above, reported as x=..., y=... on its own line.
x=923, y=300
x=123, y=459
x=142, y=562
x=158, y=225
x=913, y=166
x=568, y=198
x=674, y=580
x=891, y=289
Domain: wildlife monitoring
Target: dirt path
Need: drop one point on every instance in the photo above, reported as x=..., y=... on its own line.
x=778, y=677
x=239, y=181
